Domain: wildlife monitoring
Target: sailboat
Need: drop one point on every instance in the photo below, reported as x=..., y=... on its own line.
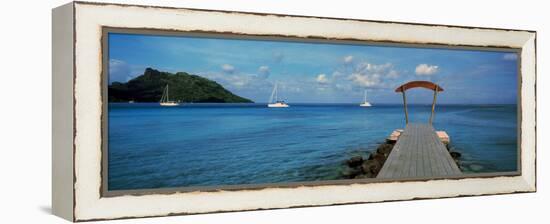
x=274, y=100
x=165, y=100
x=365, y=102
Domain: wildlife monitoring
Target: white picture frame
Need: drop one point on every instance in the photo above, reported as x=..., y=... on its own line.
x=77, y=110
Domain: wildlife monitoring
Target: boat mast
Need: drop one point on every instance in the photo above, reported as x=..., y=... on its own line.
x=365, y=100
x=276, y=92
x=163, y=95
x=273, y=93
x=167, y=97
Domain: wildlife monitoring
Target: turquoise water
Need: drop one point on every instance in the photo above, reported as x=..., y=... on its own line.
x=226, y=144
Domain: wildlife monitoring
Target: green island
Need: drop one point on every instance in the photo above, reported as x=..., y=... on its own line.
x=184, y=87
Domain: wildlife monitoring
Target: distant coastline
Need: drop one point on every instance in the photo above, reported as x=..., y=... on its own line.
x=184, y=87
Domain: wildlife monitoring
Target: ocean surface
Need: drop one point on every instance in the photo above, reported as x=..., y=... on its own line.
x=227, y=144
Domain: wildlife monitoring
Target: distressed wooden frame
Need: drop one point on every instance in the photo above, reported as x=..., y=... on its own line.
x=78, y=109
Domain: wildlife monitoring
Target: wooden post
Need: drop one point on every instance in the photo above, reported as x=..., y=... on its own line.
x=405, y=105
x=433, y=104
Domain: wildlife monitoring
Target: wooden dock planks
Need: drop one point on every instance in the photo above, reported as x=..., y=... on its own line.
x=419, y=153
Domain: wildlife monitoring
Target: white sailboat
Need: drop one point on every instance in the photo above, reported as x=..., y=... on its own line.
x=365, y=102
x=274, y=100
x=165, y=100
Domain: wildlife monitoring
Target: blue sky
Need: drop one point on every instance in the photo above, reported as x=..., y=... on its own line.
x=324, y=73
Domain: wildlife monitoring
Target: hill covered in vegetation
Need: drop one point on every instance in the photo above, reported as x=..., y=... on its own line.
x=183, y=87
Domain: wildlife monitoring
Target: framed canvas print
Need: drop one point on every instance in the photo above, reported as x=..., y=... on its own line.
x=166, y=111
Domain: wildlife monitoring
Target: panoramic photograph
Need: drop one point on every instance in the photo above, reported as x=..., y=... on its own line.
x=207, y=111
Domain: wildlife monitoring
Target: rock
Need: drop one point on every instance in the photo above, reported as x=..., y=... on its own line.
x=355, y=161
x=394, y=136
x=455, y=155
x=359, y=168
x=351, y=173
x=444, y=137
x=364, y=176
x=380, y=158
x=371, y=167
x=384, y=148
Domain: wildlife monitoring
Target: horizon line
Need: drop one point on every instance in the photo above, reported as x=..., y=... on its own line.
x=388, y=104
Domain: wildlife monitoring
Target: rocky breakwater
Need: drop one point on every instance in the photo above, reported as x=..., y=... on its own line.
x=358, y=167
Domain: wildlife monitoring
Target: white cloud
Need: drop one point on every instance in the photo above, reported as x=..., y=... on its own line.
x=337, y=74
x=365, y=74
x=263, y=71
x=392, y=74
x=228, y=68
x=322, y=79
x=425, y=69
x=348, y=59
x=343, y=87
x=233, y=79
x=238, y=80
x=263, y=68
x=120, y=71
x=251, y=86
x=510, y=57
x=365, y=80
x=378, y=68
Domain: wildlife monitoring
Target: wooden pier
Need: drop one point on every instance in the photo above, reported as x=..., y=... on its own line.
x=419, y=152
